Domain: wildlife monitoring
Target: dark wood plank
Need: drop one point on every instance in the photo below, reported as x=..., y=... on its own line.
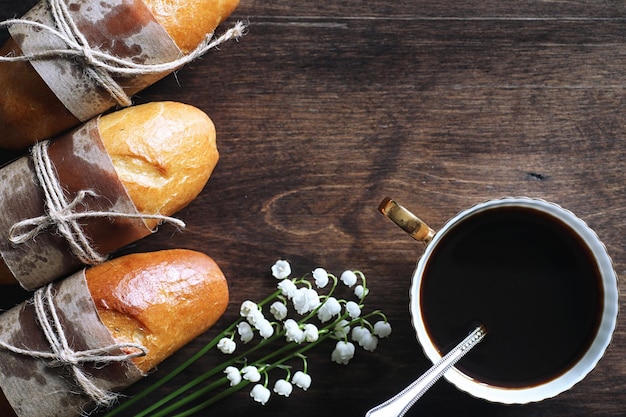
x=323, y=109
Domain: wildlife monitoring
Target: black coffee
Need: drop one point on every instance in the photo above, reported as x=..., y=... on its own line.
x=529, y=279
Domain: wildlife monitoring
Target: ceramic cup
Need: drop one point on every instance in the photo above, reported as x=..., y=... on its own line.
x=534, y=274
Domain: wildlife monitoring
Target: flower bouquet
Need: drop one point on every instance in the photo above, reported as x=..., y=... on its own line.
x=273, y=337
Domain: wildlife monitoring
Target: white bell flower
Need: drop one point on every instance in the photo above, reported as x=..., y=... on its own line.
x=358, y=333
x=382, y=329
x=329, y=309
x=245, y=331
x=287, y=288
x=348, y=278
x=300, y=302
x=342, y=329
x=353, y=309
x=313, y=299
x=278, y=310
x=247, y=307
x=233, y=375
x=282, y=387
x=281, y=269
x=260, y=394
x=344, y=351
x=265, y=328
x=321, y=277
x=226, y=345
x=255, y=316
x=360, y=291
x=305, y=300
x=369, y=342
x=290, y=324
x=251, y=373
x=302, y=380
x=364, y=338
x=311, y=333
x=293, y=333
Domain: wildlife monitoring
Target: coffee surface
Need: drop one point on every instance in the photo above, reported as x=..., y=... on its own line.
x=529, y=279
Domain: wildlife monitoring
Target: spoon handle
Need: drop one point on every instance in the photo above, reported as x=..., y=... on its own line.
x=398, y=405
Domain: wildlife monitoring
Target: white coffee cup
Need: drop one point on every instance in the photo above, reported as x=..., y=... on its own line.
x=573, y=373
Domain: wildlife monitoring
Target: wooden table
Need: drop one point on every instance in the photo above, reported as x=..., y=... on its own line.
x=325, y=108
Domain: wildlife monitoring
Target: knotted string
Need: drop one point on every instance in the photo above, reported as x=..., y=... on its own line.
x=62, y=355
x=101, y=66
x=60, y=212
x=68, y=28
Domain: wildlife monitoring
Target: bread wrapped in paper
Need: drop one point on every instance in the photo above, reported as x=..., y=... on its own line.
x=93, y=55
x=106, y=184
x=81, y=340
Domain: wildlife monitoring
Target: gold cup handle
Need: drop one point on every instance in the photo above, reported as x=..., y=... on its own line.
x=406, y=220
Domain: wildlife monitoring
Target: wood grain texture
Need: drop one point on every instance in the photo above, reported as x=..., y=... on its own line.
x=324, y=108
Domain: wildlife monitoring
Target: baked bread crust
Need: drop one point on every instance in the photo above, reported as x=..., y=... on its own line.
x=175, y=16
x=161, y=300
x=164, y=153
x=30, y=112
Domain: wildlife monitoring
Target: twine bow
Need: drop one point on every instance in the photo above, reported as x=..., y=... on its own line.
x=60, y=212
x=101, y=66
x=62, y=355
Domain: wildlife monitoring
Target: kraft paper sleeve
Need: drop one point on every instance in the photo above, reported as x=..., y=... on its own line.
x=81, y=163
x=35, y=389
x=121, y=28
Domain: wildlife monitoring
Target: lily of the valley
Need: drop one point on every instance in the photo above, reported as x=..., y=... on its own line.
x=344, y=351
x=294, y=319
x=260, y=394
x=283, y=387
x=302, y=380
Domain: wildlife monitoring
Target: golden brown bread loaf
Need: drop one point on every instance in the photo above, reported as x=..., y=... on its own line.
x=163, y=152
x=30, y=112
x=188, y=21
x=161, y=300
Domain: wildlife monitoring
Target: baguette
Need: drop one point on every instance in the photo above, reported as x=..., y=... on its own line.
x=161, y=300
x=29, y=110
x=163, y=153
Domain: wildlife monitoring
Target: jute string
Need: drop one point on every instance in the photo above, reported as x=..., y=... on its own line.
x=101, y=66
x=62, y=355
x=60, y=212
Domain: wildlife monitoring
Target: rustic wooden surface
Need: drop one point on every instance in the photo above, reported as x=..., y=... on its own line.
x=324, y=108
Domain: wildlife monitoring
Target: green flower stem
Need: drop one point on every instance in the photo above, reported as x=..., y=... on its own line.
x=287, y=350
x=130, y=402
x=305, y=363
x=362, y=276
x=212, y=400
x=198, y=380
x=269, y=298
x=205, y=390
x=335, y=281
x=175, y=406
x=169, y=376
x=299, y=351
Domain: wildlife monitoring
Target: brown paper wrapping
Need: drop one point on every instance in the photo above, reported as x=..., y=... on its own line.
x=122, y=28
x=82, y=163
x=35, y=389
